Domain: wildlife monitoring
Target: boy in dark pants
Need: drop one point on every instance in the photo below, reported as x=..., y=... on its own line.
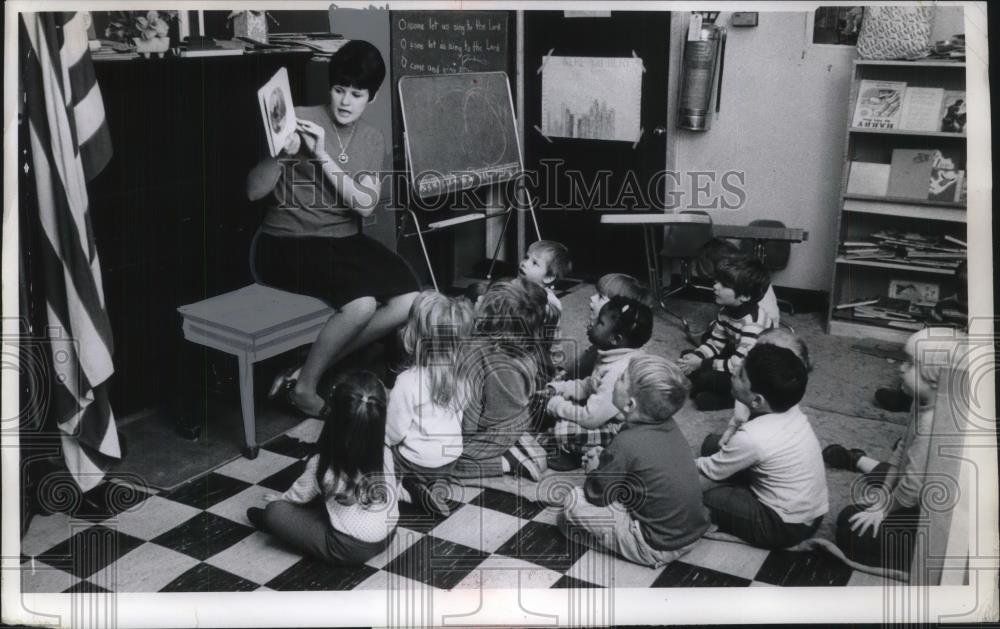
x=767, y=484
x=739, y=285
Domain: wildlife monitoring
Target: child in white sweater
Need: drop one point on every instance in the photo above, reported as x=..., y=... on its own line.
x=767, y=484
x=343, y=507
x=424, y=419
x=584, y=409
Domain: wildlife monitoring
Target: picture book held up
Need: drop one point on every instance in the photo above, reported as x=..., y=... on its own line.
x=277, y=111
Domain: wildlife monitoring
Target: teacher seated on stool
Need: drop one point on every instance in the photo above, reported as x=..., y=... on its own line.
x=320, y=186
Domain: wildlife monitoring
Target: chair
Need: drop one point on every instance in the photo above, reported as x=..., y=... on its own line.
x=683, y=242
x=774, y=254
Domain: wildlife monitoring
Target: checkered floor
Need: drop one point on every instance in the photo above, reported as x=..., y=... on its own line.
x=197, y=539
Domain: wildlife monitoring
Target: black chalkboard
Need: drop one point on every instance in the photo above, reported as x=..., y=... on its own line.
x=448, y=42
x=460, y=131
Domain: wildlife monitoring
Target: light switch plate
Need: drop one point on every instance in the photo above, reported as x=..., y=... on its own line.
x=744, y=18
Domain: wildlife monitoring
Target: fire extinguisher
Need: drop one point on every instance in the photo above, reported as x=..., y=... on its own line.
x=704, y=49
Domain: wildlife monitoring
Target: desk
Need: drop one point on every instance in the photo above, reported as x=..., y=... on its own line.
x=649, y=222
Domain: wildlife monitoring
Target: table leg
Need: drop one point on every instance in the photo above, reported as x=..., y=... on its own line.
x=655, y=276
x=246, y=404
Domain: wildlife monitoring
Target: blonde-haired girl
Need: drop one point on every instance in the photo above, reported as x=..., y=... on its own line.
x=424, y=417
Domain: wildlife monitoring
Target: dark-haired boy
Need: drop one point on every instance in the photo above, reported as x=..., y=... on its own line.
x=767, y=484
x=584, y=409
x=739, y=285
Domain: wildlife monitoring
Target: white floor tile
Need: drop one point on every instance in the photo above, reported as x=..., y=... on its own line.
x=235, y=507
x=865, y=579
x=608, y=570
x=146, y=569
x=153, y=517
x=307, y=431
x=738, y=560
x=256, y=470
x=49, y=530
x=498, y=572
x=403, y=539
x=464, y=493
x=259, y=558
x=548, y=515
x=43, y=578
x=479, y=528
x=407, y=593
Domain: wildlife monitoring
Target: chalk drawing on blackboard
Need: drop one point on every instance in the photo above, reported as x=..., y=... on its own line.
x=594, y=98
x=460, y=131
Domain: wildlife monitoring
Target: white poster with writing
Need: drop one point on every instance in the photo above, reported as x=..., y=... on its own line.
x=595, y=98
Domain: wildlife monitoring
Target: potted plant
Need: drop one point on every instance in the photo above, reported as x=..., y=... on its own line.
x=148, y=32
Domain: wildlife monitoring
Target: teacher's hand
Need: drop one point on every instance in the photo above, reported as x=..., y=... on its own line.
x=313, y=136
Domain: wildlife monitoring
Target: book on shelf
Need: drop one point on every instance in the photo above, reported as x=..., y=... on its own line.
x=868, y=178
x=879, y=105
x=952, y=112
x=956, y=241
x=856, y=303
x=921, y=109
x=908, y=325
x=910, y=173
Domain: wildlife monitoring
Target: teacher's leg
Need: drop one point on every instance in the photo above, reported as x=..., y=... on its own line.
x=336, y=335
x=386, y=319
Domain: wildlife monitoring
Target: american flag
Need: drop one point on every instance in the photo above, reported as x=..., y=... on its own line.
x=69, y=145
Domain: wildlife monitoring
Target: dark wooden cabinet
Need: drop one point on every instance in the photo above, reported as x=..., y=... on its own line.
x=171, y=219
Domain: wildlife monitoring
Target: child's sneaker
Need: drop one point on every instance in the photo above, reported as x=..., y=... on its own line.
x=433, y=497
x=256, y=517
x=521, y=464
x=563, y=461
x=840, y=458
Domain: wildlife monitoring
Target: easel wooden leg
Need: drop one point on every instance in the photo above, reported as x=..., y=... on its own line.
x=423, y=248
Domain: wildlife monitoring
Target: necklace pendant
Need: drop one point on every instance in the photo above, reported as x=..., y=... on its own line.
x=342, y=158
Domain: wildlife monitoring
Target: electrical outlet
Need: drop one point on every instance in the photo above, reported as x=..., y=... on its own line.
x=744, y=18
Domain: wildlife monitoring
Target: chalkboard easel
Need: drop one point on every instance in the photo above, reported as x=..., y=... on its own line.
x=460, y=133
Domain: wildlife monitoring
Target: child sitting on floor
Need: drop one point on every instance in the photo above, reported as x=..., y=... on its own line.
x=774, y=336
x=718, y=249
x=500, y=361
x=544, y=262
x=767, y=484
x=424, y=418
x=649, y=465
x=883, y=533
x=587, y=416
x=608, y=286
x=343, y=507
x=739, y=285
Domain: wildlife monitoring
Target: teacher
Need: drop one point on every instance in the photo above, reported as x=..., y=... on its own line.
x=320, y=186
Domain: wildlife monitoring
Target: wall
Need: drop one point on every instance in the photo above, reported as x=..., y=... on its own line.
x=782, y=122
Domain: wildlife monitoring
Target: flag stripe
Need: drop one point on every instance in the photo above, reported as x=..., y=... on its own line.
x=70, y=143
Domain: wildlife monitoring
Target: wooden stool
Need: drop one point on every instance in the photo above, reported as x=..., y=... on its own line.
x=254, y=323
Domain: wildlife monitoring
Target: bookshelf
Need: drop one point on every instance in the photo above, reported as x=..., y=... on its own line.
x=875, y=250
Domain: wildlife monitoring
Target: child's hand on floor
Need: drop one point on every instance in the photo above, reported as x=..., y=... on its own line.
x=872, y=516
x=271, y=497
x=689, y=363
x=592, y=458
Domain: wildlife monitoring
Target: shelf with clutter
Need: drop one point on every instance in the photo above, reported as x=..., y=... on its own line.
x=902, y=219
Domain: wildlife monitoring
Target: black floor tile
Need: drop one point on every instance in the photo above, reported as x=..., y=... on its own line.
x=204, y=535
x=281, y=481
x=311, y=574
x=290, y=446
x=436, y=562
x=566, y=581
x=207, y=578
x=417, y=518
x=508, y=503
x=678, y=574
x=799, y=569
x=85, y=587
x=90, y=550
x=544, y=545
x=207, y=491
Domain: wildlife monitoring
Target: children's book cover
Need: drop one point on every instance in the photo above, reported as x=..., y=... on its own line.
x=277, y=111
x=879, y=105
x=953, y=112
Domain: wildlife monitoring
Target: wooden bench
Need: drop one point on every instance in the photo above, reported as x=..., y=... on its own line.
x=254, y=323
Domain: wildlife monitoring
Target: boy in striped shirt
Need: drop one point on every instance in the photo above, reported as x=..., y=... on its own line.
x=739, y=285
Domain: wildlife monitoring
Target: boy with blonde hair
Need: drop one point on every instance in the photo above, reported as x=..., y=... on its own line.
x=648, y=464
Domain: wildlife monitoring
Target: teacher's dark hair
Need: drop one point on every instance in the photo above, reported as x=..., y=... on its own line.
x=358, y=64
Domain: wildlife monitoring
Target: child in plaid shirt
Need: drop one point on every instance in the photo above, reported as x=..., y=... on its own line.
x=586, y=415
